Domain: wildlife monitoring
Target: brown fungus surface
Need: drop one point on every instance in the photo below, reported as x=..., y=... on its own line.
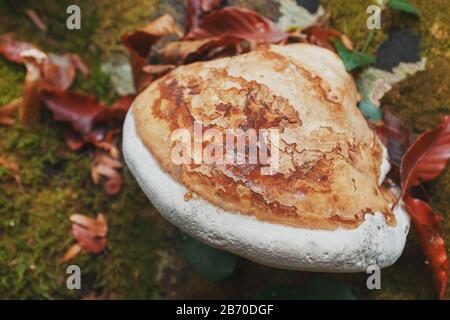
x=329, y=159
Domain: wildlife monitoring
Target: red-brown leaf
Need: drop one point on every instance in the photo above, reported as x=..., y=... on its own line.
x=90, y=119
x=237, y=24
x=89, y=233
x=196, y=9
x=11, y=48
x=323, y=37
x=58, y=72
x=426, y=224
x=72, y=252
x=180, y=52
x=427, y=157
x=140, y=42
x=7, y=112
x=80, y=65
x=77, y=109
x=115, y=113
x=97, y=226
x=113, y=185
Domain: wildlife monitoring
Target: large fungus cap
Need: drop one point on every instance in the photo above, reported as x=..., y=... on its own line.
x=320, y=206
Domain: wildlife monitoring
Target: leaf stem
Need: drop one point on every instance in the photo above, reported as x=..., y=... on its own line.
x=368, y=40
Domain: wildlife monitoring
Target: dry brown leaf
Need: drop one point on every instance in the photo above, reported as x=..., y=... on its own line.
x=140, y=42
x=72, y=252
x=7, y=117
x=97, y=227
x=89, y=233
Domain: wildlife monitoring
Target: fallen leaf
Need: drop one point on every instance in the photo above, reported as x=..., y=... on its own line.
x=76, y=109
x=97, y=227
x=196, y=9
x=187, y=51
x=108, y=166
x=395, y=136
x=89, y=233
x=426, y=224
x=80, y=65
x=11, y=48
x=140, y=42
x=58, y=72
x=90, y=119
x=72, y=252
x=322, y=37
x=7, y=112
x=113, y=185
x=236, y=24
x=29, y=112
x=427, y=157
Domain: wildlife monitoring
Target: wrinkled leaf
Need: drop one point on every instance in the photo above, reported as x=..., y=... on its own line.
x=140, y=42
x=213, y=264
x=352, y=59
x=323, y=37
x=7, y=112
x=427, y=157
x=108, y=166
x=237, y=24
x=89, y=233
x=88, y=118
x=196, y=9
x=11, y=48
x=426, y=224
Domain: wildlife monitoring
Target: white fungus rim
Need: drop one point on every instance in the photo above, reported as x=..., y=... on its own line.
x=281, y=246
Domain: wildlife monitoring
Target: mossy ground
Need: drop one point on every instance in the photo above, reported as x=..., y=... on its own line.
x=140, y=260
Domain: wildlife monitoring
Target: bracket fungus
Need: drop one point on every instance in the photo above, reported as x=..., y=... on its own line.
x=324, y=206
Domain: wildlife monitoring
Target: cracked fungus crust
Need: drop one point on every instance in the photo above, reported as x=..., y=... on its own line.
x=330, y=159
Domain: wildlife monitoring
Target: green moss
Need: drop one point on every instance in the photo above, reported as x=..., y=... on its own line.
x=350, y=18
x=34, y=228
x=11, y=81
x=117, y=17
x=56, y=182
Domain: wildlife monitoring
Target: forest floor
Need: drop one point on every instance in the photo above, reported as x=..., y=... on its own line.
x=142, y=259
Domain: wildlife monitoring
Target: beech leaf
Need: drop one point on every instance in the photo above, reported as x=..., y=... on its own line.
x=427, y=157
x=237, y=24
x=426, y=224
x=140, y=42
x=11, y=48
x=321, y=37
